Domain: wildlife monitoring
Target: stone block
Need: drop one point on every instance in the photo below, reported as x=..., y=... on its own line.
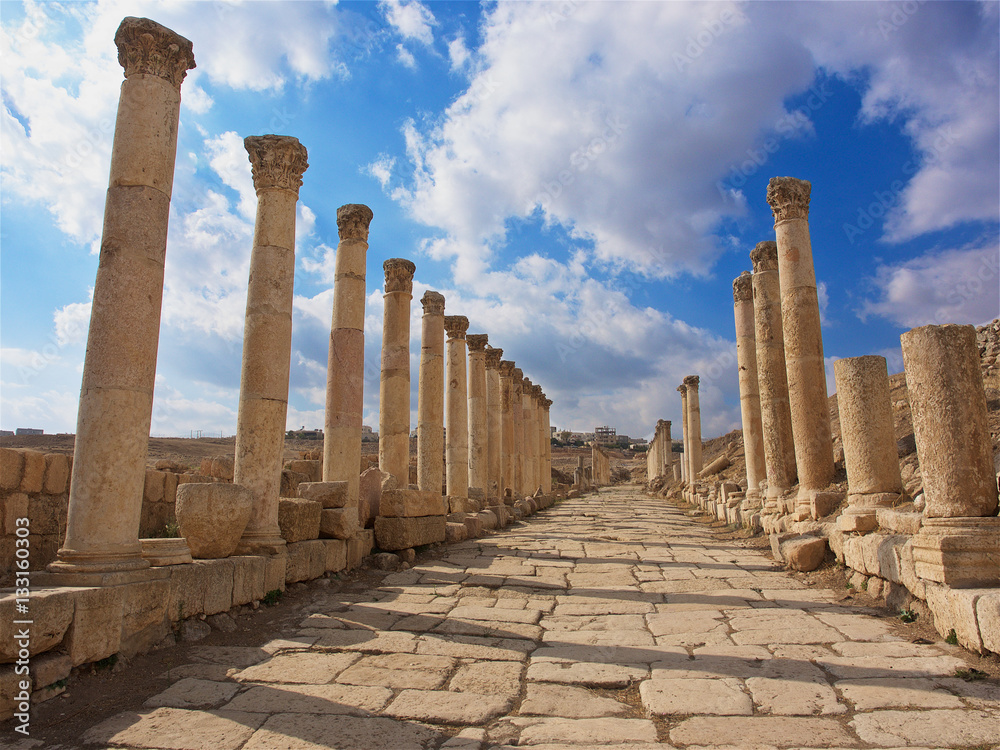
x=908, y=572
x=889, y=565
x=870, y=544
x=49, y=668
x=223, y=467
x=956, y=609
x=371, y=484
x=777, y=539
x=338, y=523
x=400, y=533
x=212, y=517
x=804, y=553
x=274, y=572
x=455, y=532
x=327, y=494
x=299, y=519
x=187, y=591
x=52, y=611
x=853, y=553
x=144, y=615
x=306, y=560
x=988, y=617
x=905, y=520
x=312, y=470
x=463, y=504
x=488, y=519
x=359, y=547
x=33, y=471
x=11, y=467
x=248, y=578
x=822, y=504
x=15, y=693
x=56, y=474
x=12, y=507
x=169, y=487
x=290, y=481
x=96, y=630
x=412, y=504
x=473, y=525
x=959, y=552
x=152, y=488
x=219, y=575
x=336, y=555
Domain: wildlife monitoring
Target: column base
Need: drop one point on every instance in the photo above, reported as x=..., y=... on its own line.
x=261, y=544
x=959, y=552
x=73, y=568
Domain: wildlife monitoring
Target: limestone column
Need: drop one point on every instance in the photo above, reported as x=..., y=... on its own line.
x=746, y=361
x=807, y=396
x=494, y=428
x=959, y=540
x=345, y=371
x=541, y=438
x=456, y=399
x=873, y=479
x=686, y=436
x=547, y=431
x=430, y=395
x=478, y=435
x=394, y=388
x=507, y=451
x=694, y=421
x=518, y=408
x=530, y=436
x=664, y=449
x=116, y=397
x=775, y=412
x=536, y=437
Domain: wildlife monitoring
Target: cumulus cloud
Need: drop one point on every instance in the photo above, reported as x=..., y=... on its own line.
x=458, y=53
x=411, y=19
x=381, y=169
x=405, y=57
x=72, y=322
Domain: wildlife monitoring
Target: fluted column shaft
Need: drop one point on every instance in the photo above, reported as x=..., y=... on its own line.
x=457, y=403
x=547, y=431
x=508, y=456
x=430, y=395
x=116, y=397
x=746, y=361
x=685, y=437
x=530, y=437
x=478, y=434
x=518, y=409
x=494, y=427
x=394, y=388
x=694, y=422
x=345, y=371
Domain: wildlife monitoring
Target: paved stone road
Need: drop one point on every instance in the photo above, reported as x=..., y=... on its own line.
x=611, y=620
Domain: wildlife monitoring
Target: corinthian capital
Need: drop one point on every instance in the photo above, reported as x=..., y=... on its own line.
x=456, y=326
x=788, y=198
x=493, y=355
x=743, y=287
x=399, y=275
x=353, y=220
x=147, y=48
x=691, y=381
x=277, y=161
x=683, y=390
x=506, y=369
x=477, y=342
x=433, y=303
x=765, y=256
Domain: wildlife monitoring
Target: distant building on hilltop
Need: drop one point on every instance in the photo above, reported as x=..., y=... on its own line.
x=605, y=435
x=29, y=431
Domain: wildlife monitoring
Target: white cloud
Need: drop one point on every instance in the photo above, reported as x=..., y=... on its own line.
x=951, y=286
x=229, y=159
x=381, y=169
x=411, y=19
x=405, y=57
x=458, y=53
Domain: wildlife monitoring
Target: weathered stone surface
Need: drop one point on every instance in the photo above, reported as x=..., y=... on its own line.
x=401, y=533
x=397, y=671
x=489, y=678
x=455, y=532
x=305, y=560
x=95, y=632
x=412, y=504
x=299, y=520
x=176, y=729
x=327, y=494
x=193, y=693
x=790, y=697
x=804, y=553
x=212, y=517
x=304, y=668
x=372, y=482
x=988, y=616
x=933, y=727
x=588, y=674
x=336, y=554
x=718, y=696
x=775, y=731
x=444, y=707
x=338, y=523
x=352, y=700
x=52, y=611
x=606, y=731
x=896, y=692
x=307, y=732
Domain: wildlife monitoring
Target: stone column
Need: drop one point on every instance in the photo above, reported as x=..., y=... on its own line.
x=664, y=448
x=430, y=395
x=507, y=451
x=694, y=422
x=457, y=439
x=116, y=398
x=746, y=360
x=345, y=371
x=541, y=439
x=518, y=409
x=685, y=436
x=278, y=163
x=807, y=396
x=478, y=435
x=873, y=479
x=547, y=431
x=494, y=450
x=959, y=540
x=394, y=388
x=775, y=413
x=530, y=437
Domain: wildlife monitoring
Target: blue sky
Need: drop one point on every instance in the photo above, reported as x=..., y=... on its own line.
x=583, y=180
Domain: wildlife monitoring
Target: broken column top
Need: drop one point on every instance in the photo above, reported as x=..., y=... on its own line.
x=477, y=342
x=692, y=381
x=526, y=385
x=506, y=368
x=456, y=326
x=518, y=375
x=765, y=256
x=743, y=287
x=353, y=220
x=788, y=198
x=277, y=161
x=148, y=48
x=433, y=303
x=493, y=355
x=399, y=275
x=682, y=389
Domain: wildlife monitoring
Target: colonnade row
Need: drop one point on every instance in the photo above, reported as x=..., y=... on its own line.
x=497, y=420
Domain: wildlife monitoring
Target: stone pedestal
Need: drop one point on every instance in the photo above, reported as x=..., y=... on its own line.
x=746, y=360
x=775, y=412
x=959, y=541
x=507, y=455
x=394, y=388
x=694, y=423
x=869, y=441
x=278, y=164
x=807, y=395
x=345, y=374
x=478, y=434
x=430, y=395
x=494, y=443
x=116, y=397
x=457, y=439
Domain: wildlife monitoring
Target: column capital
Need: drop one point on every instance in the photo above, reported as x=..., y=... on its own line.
x=537, y=391
x=477, y=342
x=493, y=355
x=399, y=275
x=692, y=381
x=526, y=386
x=546, y=403
x=353, y=220
x=277, y=161
x=433, y=303
x=788, y=198
x=456, y=326
x=682, y=389
x=765, y=256
x=147, y=48
x=506, y=369
x=743, y=287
